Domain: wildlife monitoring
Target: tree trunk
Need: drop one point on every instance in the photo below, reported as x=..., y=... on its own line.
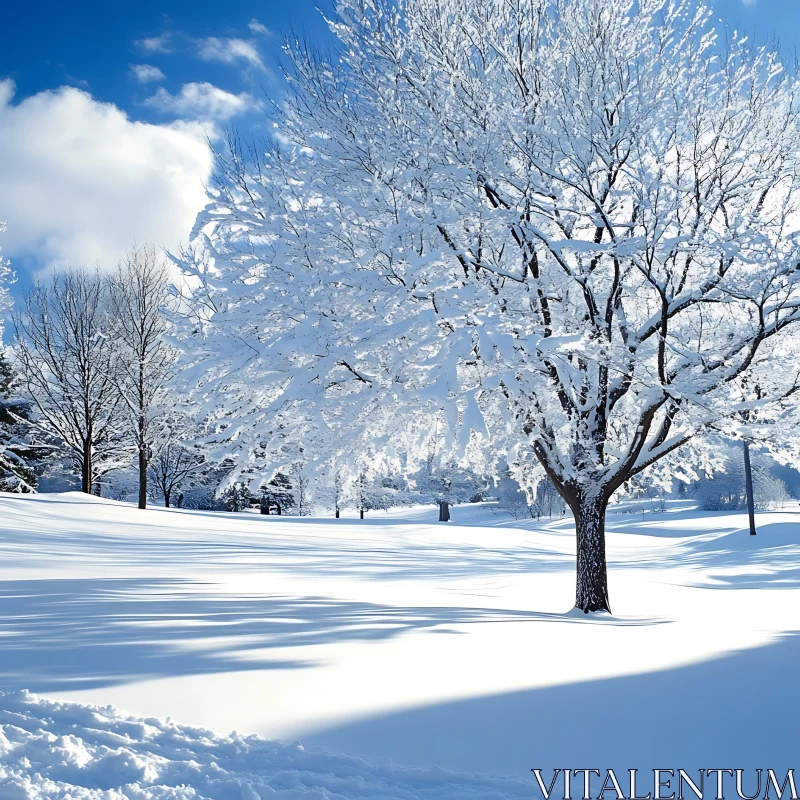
x=167, y=493
x=361, y=513
x=86, y=468
x=748, y=485
x=591, y=591
x=444, y=511
x=337, y=512
x=142, y=478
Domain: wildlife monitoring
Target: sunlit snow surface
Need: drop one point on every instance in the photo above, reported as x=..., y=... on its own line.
x=396, y=639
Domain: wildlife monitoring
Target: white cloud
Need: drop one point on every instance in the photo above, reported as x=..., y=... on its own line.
x=81, y=180
x=258, y=29
x=146, y=73
x=200, y=101
x=229, y=51
x=155, y=44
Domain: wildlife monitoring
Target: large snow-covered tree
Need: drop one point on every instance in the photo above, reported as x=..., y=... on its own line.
x=565, y=227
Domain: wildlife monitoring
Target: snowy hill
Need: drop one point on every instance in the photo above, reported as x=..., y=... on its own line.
x=397, y=640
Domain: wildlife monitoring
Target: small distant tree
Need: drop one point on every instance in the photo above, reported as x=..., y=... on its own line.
x=66, y=352
x=449, y=484
x=725, y=490
x=236, y=497
x=139, y=294
x=385, y=493
x=278, y=495
x=337, y=493
x=548, y=499
x=301, y=484
x=174, y=462
x=512, y=498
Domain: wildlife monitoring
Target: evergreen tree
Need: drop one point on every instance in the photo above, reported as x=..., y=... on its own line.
x=21, y=457
x=278, y=496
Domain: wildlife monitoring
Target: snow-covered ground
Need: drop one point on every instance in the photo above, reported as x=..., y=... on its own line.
x=399, y=640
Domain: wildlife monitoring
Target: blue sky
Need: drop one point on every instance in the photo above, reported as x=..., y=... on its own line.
x=92, y=44
x=105, y=107
x=101, y=46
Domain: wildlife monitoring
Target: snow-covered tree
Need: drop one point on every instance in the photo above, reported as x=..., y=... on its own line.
x=548, y=500
x=725, y=490
x=512, y=498
x=567, y=226
x=174, y=458
x=66, y=353
x=23, y=454
x=236, y=497
x=448, y=484
x=301, y=481
x=139, y=291
x=20, y=454
x=278, y=494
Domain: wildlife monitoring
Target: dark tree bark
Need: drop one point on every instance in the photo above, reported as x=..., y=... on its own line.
x=361, y=512
x=166, y=493
x=337, y=512
x=143, y=479
x=444, y=511
x=748, y=483
x=591, y=590
x=86, y=467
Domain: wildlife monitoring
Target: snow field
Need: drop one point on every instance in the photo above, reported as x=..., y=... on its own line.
x=397, y=639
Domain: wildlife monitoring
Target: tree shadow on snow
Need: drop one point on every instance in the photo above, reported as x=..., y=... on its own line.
x=83, y=633
x=365, y=559
x=733, y=559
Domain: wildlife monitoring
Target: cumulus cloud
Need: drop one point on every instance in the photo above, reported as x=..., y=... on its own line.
x=229, y=51
x=81, y=180
x=155, y=44
x=200, y=101
x=146, y=73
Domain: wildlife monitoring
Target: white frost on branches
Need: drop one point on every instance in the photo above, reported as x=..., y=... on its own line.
x=565, y=226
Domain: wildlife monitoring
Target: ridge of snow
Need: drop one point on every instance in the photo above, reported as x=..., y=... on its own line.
x=69, y=751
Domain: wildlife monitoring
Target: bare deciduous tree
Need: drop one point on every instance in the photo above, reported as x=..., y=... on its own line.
x=139, y=292
x=173, y=462
x=67, y=362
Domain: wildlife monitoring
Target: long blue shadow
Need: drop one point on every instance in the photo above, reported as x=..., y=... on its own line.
x=84, y=633
x=738, y=711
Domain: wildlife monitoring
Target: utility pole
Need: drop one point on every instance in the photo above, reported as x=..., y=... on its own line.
x=748, y=483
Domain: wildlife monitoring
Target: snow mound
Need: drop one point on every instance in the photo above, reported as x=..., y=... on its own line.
x=68, y=751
